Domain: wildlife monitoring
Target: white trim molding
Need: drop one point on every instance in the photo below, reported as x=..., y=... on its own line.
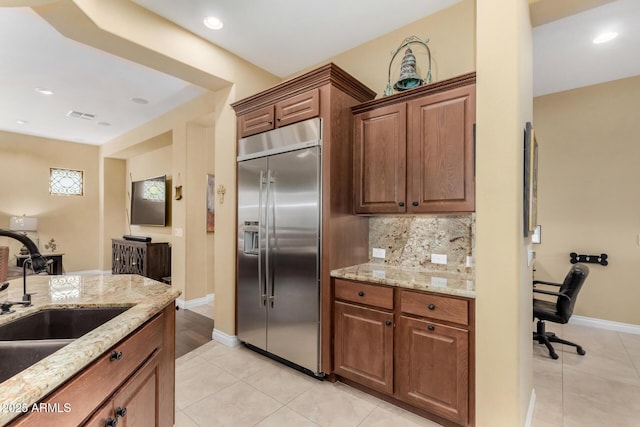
x=226, y=339
x=605, y=324
x=194, y=302
x=528, y=422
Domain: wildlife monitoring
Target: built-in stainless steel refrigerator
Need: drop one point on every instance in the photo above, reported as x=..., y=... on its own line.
x=278, y=271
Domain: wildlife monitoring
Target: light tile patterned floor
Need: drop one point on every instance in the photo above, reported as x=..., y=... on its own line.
x=204, y=309
x=222, y=386
x=601, y=388
x=236, y=387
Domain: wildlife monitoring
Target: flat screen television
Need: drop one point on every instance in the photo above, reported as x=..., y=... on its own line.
x=149, y=201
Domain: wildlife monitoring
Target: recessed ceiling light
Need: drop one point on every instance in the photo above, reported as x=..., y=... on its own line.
x=139, y=101
x=44, y=91
x=605, y=37
x=213, y=23
x=104, y=124
x=22, y=122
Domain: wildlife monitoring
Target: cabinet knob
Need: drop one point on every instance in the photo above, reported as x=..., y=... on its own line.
x=388, y=323
x=120, y=412
x=278, y=119
x=360, y=294
x=415, y=203
x=115, y=355
x=111, y=422
x=431, y=327
x=270, y=122
x=401, y=204
x=431, y=307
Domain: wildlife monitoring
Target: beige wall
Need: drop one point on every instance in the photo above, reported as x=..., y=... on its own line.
x=451, y=34
x=503, y=280
x=588, y=192
x=71, y=220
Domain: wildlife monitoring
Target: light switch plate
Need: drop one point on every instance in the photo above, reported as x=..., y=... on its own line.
x=378, y=253
x=438, y=259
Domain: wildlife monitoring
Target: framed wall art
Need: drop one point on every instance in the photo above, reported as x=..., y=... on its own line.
x=530, y=220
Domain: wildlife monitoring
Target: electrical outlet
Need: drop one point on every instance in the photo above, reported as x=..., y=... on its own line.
x=469, y=261
x=438, y=259
x=177, y=232
x=379, y=253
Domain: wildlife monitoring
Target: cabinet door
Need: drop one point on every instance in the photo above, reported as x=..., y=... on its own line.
x=440, y=176
x=380, y=160
x=297, y=108
x=433, y=368
x=364, y=346
x=256, y=121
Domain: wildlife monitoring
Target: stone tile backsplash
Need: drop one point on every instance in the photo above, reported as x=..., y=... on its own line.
x=409, y=241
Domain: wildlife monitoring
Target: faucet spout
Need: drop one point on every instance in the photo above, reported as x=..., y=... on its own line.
x=38, y=262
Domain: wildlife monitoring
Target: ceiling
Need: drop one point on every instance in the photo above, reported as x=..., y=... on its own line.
x=281, y=36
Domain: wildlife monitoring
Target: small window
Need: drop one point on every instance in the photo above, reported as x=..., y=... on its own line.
x=66, y=182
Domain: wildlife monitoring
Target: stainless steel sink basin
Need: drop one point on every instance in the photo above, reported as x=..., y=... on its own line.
x=31, y=338
x=58, y=323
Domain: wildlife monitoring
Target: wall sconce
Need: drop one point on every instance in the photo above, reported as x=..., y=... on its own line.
x=23, y=223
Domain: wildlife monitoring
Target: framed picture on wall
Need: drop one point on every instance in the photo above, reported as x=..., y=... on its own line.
x=530, y=220
x=211, y=194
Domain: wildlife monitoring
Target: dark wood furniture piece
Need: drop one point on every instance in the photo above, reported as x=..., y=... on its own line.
x=54, y=268
x=151, y=260
x=414, y=151
x=413, y=348
x=329, y=93
x=132, y=383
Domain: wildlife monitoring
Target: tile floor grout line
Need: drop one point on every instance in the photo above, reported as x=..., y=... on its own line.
x=626, y=350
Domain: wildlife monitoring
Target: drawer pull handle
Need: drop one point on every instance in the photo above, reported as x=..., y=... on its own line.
x=432, y=307
x=111, y=422
x=388, y=323
x=431, y=327
x=115, y=355
x=120, y=412
x=360, y=294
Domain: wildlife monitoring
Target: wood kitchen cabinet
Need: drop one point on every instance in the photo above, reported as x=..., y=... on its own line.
x=414, y=152
x=132, y=383
x=413, y=347
x=432, y=356
x=364, y=335
x=291, y=110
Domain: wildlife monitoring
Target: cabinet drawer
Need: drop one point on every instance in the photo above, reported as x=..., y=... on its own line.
x=435, y=307
x=298, y=108
x=377, y=296
x=109, y=374
x=256, y=121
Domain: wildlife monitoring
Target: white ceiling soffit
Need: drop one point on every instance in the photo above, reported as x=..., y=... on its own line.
x=85, y=81
x=565, y=57
x=285, y=36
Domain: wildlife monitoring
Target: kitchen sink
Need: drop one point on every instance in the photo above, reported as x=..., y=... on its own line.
x=29, y=339
x=16, y=356
x=58, y=323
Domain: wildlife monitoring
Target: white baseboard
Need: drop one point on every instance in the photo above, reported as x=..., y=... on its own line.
x=194, y=302
x=528, y=422
x=605, y=324
x=226, y=339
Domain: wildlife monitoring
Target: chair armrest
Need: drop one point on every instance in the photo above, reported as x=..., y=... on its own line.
x=557, y=294
x=542, y=282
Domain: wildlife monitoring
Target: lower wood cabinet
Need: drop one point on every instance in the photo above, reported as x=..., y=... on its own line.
x=132, y=384
x=364, y=345
x=433, y=367
x=412, y=346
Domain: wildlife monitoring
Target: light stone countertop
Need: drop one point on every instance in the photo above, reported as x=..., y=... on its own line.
x=450, y=283
x=145, y=296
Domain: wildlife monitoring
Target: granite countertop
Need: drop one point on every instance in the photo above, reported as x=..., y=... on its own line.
x=145, y=296
x=450, y=283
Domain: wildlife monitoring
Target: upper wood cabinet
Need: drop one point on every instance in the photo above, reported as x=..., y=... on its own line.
x=414, y=151
x=294, y=109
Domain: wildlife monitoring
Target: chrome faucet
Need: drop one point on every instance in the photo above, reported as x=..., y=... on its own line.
x=37, y=261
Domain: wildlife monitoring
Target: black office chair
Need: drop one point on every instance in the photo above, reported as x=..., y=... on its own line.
x=559, y=311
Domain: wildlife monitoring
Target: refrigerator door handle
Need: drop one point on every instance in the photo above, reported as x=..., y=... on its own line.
x=261, y=279
x=270, y=219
